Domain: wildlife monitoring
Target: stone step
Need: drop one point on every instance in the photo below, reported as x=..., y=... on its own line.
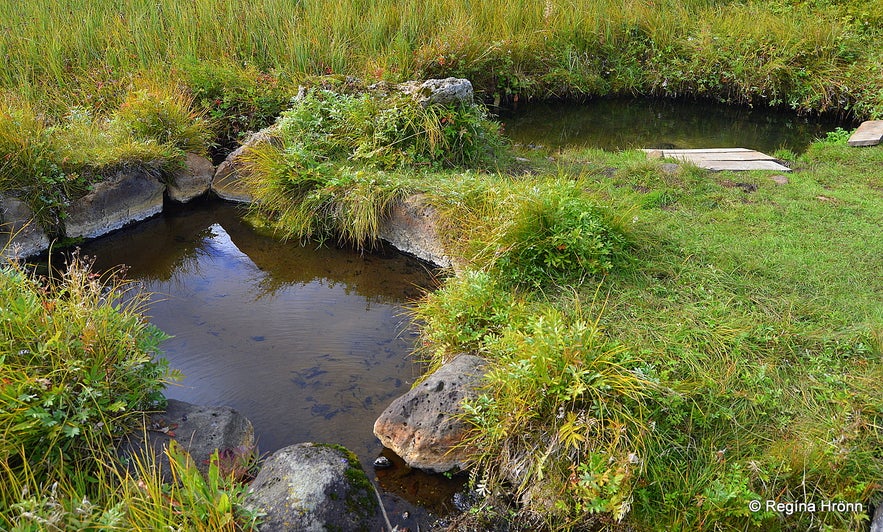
x=869, y=133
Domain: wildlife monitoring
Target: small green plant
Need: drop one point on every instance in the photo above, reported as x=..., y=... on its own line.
x=237, y=101
x=558, y=240
x=79, y=366
x=837, y=137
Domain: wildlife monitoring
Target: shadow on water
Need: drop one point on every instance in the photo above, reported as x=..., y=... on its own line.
x=617, y=124
x=309, y=344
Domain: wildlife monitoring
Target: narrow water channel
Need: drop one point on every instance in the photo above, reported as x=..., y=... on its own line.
x=309, y=344
x=617, y=124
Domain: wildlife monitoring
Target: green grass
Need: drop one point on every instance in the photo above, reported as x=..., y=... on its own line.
x=731, y=353
x=664, y=346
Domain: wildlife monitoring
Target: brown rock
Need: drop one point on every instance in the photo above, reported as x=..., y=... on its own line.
x=423, y=426
x=194, y=181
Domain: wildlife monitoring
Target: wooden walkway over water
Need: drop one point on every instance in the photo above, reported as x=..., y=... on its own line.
x=718, y=159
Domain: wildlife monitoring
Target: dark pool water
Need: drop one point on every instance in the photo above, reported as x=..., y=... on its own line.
x=615, y=124
x=309, y=344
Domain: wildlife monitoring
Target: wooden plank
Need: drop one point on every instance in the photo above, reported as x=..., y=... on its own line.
x=725, y=156
x=742, y=165
x=870, y=133
x=718, y=159
x=709, y=150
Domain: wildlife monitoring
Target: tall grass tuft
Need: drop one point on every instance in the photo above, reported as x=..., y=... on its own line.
x=338, y=162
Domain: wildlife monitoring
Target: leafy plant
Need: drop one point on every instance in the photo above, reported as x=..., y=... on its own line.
x=557, y=240
x=79, y=367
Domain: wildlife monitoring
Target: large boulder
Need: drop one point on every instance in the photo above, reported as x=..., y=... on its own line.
x=20, y=234
x=199, y=430
x=313, y=487
x=439, y=91
x=413, y=227
x=128, y=196
x=228, y=182
x=193, y=181
x=423, y=426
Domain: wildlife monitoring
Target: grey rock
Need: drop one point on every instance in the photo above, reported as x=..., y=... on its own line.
x=200, y=430
x=413, y=227
x=128, y=196
x=20, y=234
x=422, y=426
x=312, y=487
x=779, y=179
x=877, y=522
x=229, y=183
x=439, y=91
x=194, y=181
x=670, y=168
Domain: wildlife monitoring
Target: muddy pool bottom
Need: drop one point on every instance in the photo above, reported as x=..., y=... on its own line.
x=309, y=344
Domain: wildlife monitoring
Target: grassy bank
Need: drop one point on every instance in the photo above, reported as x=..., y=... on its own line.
x=666, y=345
x=87, y=87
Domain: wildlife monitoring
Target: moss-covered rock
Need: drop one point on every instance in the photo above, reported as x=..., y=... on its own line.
x=318, y=487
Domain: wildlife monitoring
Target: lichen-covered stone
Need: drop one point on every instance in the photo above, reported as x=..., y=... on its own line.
x=423, y=426
x=113, y=203
x=193, y=181
x=20, y=234
x=439, y=91
x=312, y=487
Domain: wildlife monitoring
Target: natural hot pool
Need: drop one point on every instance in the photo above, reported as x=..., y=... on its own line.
x=309, y=344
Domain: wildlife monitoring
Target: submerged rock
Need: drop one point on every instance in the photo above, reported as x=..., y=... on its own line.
x=423, y=426
x=20, y=234
x=194, y=181
x=877, y=522
x=313, y=487
x=200, y=430
x=118, y=201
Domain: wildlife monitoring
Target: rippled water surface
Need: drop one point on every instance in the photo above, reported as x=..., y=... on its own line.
x=309, y=344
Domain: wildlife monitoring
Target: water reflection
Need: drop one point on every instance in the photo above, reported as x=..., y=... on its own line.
x=309, y=344
x=615, y=124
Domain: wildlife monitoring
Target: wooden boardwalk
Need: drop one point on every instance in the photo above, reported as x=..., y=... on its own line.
x=870, y=133
x=717, y=159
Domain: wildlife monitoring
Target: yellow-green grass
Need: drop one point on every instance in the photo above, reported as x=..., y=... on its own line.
x=809, y=56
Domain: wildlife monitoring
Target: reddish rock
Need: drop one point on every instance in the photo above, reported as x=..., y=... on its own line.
x=423, y=426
